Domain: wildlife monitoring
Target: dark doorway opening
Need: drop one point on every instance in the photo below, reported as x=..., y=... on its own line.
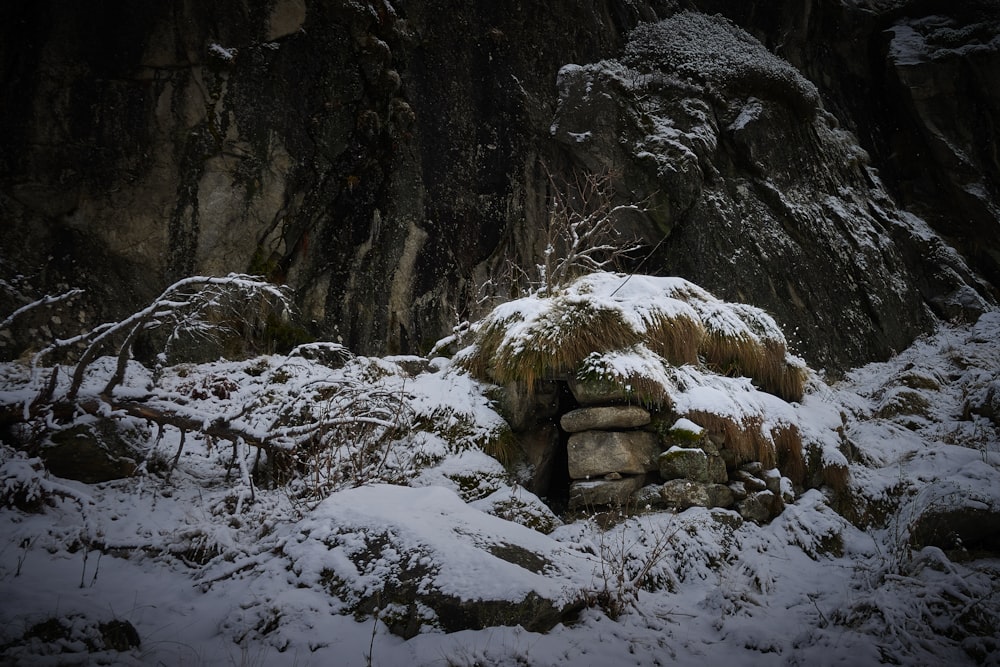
x=559, y=481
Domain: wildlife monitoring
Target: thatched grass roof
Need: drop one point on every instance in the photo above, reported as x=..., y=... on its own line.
x=621, y=316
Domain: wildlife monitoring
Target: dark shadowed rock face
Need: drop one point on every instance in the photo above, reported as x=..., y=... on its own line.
x=762, y=196
x=371, y=157
x=384, y=159
x=917, y=81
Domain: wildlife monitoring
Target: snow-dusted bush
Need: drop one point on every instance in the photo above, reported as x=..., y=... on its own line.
x=22, y=481
x=25, y=484
x=585, y=232
x=582, y=234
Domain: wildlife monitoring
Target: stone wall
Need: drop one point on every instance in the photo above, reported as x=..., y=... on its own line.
x=587, y=449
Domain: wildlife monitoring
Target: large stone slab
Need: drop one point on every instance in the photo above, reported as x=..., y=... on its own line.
x=597, y=453
x=692, y=463
x=683, y=493
x=599, y=492
x=591, y=392
x=606, y=418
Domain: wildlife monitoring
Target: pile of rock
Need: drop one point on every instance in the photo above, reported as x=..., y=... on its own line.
x=617, y=457
x=609, y=456
x=694, y=473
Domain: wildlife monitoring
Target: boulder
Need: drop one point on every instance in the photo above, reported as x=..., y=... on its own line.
x=772, y=479
x=599, y=492
x=597, y=453
x=739, y=490
x=89, y=453
x=717, y=471
x=749, y=480
x=709, y=447
x=692, y=463
x=404, y=572
x=593, y=392
x=683, y=493
x=685, y=433
x=649, y=498
x=760, y=507
x=604, y=418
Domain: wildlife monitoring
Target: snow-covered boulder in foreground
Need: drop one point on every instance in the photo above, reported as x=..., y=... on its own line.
x=422, y=557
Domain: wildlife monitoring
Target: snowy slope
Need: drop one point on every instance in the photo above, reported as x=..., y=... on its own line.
x=278, y=582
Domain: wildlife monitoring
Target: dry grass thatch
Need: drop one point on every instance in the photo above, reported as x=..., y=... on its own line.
x=676, y=338
x=548, y=347
x=742, y=340
x=744, y=438
x=643, y=380
x=781, y=448
x=503, y=447
x=677, y=320
x=788, y=448
x=836, y=477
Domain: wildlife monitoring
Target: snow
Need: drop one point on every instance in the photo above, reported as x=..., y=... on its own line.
x=203, y=583
x=688, y=426
x=453, y=544
x=639, y=301
x=748, y=114
x=226, y=54
x=711, y=48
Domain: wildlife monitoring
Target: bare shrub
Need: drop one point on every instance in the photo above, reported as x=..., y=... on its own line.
x=581, y=235
x=628, y=562
x=200, y=307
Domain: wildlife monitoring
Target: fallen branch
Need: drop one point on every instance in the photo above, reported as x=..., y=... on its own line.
x=216, y=428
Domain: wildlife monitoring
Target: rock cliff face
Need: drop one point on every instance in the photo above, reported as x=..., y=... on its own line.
x=384, y=159
x=916, y=82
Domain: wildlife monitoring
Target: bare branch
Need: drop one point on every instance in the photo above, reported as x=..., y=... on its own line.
x=581, y=233
x=183, y=307
x=44, y=301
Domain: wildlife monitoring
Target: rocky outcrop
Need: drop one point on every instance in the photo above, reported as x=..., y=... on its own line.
x=90, y=453
x=386, y=160
x=759, y=192
x=370, y=156
x=916, y=82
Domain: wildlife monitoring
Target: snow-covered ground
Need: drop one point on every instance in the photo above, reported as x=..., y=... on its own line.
x=209, y=571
